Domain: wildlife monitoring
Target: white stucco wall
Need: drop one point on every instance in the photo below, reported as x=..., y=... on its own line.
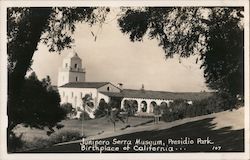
x=65, y=76
x=102, y=96
x=80, y=76
x=109, y=88
x=74, y=95
x=148, y=102
x=71, y=70
x=70, y=62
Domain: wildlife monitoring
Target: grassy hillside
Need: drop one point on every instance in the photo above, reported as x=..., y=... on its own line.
x=225, y=129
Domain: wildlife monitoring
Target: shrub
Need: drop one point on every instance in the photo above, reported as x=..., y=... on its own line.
x=157, y=110
x=84, y=116
x=65, y=136
x=68, y=109
x=36, y=143
x=179, y=109
x=55, y=138
x=15, y=142
x=101, y=109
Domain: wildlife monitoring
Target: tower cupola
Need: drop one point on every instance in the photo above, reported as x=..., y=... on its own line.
x=71, y=70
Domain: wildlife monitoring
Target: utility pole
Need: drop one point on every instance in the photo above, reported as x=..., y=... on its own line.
x=82, y=117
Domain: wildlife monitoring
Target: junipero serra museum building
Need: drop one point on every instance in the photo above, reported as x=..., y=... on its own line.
x=72, y=88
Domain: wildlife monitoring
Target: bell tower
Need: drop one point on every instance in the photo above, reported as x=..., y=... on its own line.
x=71, y=70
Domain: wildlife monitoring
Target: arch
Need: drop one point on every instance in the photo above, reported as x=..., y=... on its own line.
x=134, y=107
x=144, y=106
x=124, y=104
x=152, y=106
x=163, y=106
x=102, y=100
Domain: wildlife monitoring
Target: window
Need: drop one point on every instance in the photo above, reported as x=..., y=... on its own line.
x=75, y=65
x=66, y=65
x=76, y=78
x=72, y=94
x=75, y=101
x=107, y=88
x=81, y=94
x=63, y=94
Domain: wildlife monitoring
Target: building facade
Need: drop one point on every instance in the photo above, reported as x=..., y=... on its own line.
x=72, y=88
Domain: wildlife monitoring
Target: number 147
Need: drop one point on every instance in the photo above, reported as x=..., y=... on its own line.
x=216, y=148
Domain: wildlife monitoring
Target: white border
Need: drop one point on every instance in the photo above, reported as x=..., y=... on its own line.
x=3, y=80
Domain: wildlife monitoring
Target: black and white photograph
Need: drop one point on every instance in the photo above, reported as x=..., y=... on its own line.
x=124, y=80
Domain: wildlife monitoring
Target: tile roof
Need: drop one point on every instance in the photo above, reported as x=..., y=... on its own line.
x=147, y=94
x=84, y=85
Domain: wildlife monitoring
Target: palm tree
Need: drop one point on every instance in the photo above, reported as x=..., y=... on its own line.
x=86, y=99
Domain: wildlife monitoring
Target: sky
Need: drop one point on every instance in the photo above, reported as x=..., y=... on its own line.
x=114, y=58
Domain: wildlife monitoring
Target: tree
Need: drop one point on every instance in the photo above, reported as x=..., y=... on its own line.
x=114, y=113
x=26, y=27
x=68, y=109
x=40, y=104
x=101, y=109
x=224, y=59
x=85, y=101
x=39, y=107
x=215, y=34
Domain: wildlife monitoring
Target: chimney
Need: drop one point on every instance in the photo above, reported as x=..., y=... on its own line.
x=142, y=87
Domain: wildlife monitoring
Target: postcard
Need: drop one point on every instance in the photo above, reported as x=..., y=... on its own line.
x=124, y=79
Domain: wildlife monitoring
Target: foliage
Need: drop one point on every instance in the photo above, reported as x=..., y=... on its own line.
x=215, y=34
x=39, y=108
x=131, y=107
x=102, y=109
x=40, y=104
x=65, y=136
x=84, y=116
x=68, y=109
x=114, y=112
x=178, y=29
x=157, y=110
x=15, y=142
x=26, y=27
x=55, y=138
x=128, y=107
x=86, y=100
x=224, y=59
x=180, y=109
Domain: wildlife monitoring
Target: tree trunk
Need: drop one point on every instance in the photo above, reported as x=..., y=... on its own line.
x=23, y=47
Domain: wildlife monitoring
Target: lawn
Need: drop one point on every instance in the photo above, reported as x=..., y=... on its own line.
x=35, y=138
x=225, y=129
